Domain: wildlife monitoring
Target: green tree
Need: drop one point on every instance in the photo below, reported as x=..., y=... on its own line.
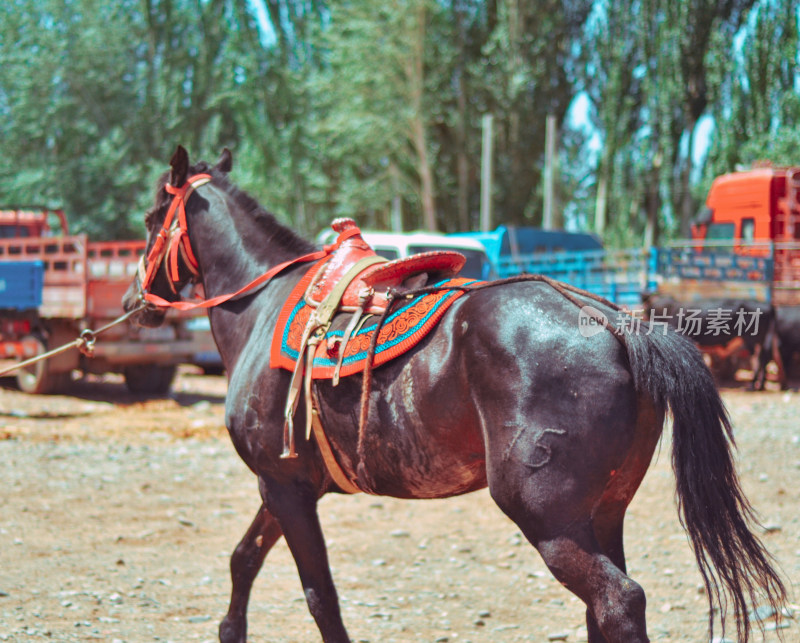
x=654, y=87
x=612, y=79
x=96, y=94
x=529, y=70
x=757, y=109
x=373, y=102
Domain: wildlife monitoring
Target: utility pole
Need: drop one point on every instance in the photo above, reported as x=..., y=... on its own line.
x=397, y=203
x=486, y=174
x=548, y=220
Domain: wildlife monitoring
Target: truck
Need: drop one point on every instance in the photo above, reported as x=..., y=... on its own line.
x=745, y=245
x=63, y=284
x=577, y=258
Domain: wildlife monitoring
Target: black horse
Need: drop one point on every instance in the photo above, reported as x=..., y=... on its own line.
x=506, y=391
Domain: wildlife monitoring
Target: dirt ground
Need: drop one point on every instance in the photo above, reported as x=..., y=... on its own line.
x=118, y=514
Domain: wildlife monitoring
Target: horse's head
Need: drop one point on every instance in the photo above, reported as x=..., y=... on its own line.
x=169, y=266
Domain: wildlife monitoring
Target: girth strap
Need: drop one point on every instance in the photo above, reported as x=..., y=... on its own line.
x=334, y=468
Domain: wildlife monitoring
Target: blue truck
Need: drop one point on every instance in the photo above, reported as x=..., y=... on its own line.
x=576, y=258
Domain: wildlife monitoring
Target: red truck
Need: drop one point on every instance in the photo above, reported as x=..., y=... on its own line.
x=746, y=244
x=745, y=248
x=82, y=287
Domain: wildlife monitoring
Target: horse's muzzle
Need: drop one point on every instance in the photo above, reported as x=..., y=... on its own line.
x=149, y=316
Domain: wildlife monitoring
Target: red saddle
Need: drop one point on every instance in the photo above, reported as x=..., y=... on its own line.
x=353, y=279
x=378, y=277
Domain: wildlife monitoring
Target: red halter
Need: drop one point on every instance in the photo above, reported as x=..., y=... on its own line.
x=173, y=240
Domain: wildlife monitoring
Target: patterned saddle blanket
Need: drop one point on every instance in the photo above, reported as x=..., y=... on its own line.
x=402, y=329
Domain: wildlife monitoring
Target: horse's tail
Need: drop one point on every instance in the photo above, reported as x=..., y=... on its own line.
x=713, y=509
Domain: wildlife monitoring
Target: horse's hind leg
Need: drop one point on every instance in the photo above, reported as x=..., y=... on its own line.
x=571, y=550
x=246, y=561
x=607, y=527
x=580, y=540
x=616, y=604
x=567, y=490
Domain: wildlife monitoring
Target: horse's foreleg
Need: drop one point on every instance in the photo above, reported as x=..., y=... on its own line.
x=296, y=511
x=246, y=561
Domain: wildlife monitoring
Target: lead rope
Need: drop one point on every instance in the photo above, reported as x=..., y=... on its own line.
x=84, y=343
x=568, y=291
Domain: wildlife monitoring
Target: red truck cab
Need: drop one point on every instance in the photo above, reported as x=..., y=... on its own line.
x=757, y=213
x=756, y=205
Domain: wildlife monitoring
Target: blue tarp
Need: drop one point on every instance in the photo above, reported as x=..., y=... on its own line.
x=21, y=284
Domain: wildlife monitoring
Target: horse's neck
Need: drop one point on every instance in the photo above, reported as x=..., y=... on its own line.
x=236, y=253
x=231, y=257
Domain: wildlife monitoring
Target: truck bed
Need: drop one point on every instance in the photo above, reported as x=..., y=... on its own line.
x=81, y=279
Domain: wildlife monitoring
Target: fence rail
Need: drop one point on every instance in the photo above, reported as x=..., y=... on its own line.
x=622, y=276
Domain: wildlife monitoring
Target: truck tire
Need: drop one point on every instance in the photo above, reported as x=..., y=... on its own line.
x=149, y=379
x=38, y=378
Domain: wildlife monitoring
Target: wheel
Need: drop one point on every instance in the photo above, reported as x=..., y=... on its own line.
x=150, y=379
x=38, y=378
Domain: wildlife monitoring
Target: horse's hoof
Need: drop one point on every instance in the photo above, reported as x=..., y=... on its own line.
x=230, y=633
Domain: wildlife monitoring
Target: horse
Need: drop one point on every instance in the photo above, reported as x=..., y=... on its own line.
x=507, y=391
x=723, y=326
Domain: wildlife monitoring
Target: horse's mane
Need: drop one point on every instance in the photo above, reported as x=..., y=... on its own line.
x=280, y=234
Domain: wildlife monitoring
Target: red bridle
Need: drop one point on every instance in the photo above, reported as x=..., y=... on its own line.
x=173, y=238
x=173, y=241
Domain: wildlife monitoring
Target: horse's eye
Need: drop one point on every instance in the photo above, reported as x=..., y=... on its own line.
x=148, y=217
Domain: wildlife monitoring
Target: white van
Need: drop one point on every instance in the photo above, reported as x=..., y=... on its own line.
x=394, y=245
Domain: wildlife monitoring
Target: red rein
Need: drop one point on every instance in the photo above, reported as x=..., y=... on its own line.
x=173, y=240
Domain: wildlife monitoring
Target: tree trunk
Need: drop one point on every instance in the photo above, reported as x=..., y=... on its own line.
x=601, y=200
x=416, y=79
x=652, y=203
x=462, y=161
x=425, y=177
x=687, y=201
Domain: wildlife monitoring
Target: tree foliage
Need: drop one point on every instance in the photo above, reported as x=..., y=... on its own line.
x=374, y=110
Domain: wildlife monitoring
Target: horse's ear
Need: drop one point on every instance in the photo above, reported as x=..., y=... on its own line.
x=180, y=167
x=225, y=163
